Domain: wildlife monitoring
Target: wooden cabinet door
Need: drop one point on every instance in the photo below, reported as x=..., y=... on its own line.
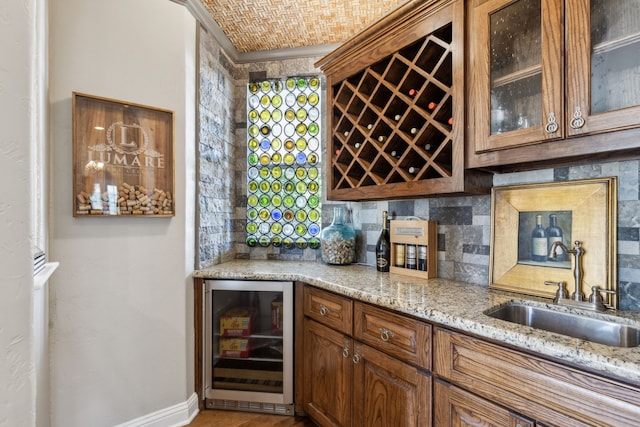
x=518, y=72
x=387, y=392
x=603, y=88
x=328, y=375
x=455, y=407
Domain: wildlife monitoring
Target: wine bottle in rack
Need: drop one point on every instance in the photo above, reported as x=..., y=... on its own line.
x=413, y=131
x=427, y=147
x=382, y=138
x=539, y=241
x=395, y=154
x=370, y=126
x=346, y=133
x=412, y=92
x=383, y=247
x=397, y=117
x=413, y=170
x=432, y=105
x=357, y=145
x=450, y=121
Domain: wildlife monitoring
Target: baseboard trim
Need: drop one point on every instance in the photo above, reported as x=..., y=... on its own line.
x=174, y=416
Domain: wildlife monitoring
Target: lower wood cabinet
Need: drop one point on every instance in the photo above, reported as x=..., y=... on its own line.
x=348, y=383
x=367, y=366
x=548, y=392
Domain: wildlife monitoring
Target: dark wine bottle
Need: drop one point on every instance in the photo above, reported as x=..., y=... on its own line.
x=411, y=257
x=422, y=257
x=539, y=241
x=554, y=234
x=383, y=247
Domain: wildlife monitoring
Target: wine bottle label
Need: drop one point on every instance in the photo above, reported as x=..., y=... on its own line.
x=399, y=255
x=411, y=257
x=540, y=246
x=382, y=262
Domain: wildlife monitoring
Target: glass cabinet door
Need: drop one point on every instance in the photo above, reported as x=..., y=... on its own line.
x=603, y=65
x=518, y=72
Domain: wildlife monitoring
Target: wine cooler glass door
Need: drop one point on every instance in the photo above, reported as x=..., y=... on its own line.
x=249, y=342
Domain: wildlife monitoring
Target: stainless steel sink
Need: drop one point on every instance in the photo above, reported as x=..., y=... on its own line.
x=582, y=327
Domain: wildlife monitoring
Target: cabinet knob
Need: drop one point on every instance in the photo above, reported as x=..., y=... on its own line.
x=356, y=357
x=552, y=125
x=323, y=310
x=577, y=121
x=385, y=334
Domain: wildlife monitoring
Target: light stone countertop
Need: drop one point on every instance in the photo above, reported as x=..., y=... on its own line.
x=448, y=303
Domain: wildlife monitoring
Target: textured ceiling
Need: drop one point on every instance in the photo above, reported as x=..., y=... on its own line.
x=253, y=25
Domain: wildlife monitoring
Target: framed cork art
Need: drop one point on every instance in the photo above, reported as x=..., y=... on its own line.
x=122, y=159
x=529, y=219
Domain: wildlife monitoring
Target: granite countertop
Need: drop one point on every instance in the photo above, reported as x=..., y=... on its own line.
x=448, y=303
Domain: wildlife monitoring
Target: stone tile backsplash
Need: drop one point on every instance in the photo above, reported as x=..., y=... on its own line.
x=464, y=223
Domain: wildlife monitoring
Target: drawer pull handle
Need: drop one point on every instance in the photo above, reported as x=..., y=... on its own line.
x=345, y=351
x=385, y=334
x=323, y=310
x=356, y=357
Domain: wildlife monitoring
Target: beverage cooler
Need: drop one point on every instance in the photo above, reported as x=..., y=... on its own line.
x=248, y=346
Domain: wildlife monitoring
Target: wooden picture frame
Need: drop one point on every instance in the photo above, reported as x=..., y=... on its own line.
x=585, y=210
x=122, y=159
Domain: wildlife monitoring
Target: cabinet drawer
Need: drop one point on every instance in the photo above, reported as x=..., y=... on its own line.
x=549, y=392
x=400, y=336
x=329, y=309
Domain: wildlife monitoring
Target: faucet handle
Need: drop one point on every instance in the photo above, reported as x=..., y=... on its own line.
x=596, y=299
x=561, y=293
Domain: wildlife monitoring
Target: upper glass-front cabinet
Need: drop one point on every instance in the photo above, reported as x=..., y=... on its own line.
x=518, y=72
x=524, y=93
x=603, y=65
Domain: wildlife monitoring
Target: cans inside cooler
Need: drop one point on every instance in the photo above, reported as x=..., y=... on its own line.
x=249, y=346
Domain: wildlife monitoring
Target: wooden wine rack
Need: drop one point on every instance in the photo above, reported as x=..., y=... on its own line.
x=396, y=115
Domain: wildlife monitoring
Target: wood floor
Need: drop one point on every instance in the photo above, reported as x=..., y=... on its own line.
x=217, y=418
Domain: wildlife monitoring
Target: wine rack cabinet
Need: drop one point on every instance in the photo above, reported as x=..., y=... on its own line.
x=395, y=107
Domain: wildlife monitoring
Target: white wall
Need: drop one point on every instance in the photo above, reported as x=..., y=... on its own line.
x=18, y=114
x=121, y=337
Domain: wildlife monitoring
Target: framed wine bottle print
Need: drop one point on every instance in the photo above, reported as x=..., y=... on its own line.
x=535, y=224
x=122, y=159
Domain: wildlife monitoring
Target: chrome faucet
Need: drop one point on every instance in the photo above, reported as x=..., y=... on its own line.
x=577, y=251
x=595, y=301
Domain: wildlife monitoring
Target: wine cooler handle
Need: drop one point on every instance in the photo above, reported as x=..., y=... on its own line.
x=552, y=125
x=323, y=310
x=385, y=334
x=356, y=357
x=578, y=121
x=345, y=351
